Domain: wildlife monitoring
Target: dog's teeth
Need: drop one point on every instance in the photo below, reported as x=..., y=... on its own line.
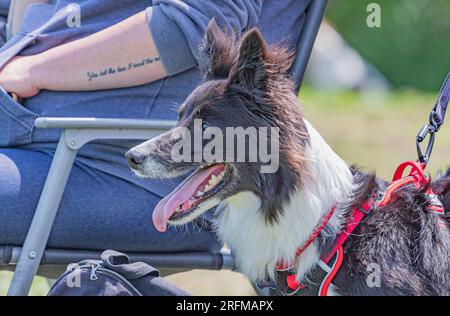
x=200, y=193
x=214, y=180
x=178, y=209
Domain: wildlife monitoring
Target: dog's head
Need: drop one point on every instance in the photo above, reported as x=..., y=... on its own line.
x=246, y=90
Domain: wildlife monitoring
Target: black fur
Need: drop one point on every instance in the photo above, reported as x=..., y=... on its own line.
x=405, y=240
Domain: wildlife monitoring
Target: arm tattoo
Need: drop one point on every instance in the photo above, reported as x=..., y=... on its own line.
x=91, y=75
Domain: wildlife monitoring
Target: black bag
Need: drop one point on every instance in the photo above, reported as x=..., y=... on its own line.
x=113, y=275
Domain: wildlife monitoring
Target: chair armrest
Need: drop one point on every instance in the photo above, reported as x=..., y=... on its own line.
x=9, y=255
x=91, y=122
x=79, y=131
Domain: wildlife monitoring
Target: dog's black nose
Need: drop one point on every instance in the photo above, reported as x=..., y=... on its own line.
x=135, y=158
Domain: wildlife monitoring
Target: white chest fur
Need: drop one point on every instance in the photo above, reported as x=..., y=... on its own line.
x=258, y=245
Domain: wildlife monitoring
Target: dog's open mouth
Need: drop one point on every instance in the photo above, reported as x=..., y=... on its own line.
x=198, y=187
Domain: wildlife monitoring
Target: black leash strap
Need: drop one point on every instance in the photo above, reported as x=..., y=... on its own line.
x=438, y=113
x=436, y=120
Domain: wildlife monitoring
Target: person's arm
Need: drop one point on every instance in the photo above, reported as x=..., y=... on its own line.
x=120, y=56
x=161, y=41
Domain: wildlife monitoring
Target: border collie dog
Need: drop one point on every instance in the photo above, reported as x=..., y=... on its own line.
x=265, y=217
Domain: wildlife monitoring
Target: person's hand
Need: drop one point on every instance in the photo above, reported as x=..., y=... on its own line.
x=15, y=77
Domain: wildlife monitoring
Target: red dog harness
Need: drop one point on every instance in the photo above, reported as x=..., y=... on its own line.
x=332, y=261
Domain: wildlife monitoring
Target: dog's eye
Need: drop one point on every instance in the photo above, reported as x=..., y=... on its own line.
x=204, y=125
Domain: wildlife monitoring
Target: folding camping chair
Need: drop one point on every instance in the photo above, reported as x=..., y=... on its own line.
x=33, y=257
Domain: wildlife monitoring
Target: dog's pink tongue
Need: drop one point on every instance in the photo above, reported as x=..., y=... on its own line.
x=167, y=206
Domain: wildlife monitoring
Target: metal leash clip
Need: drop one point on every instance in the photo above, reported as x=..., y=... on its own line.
x=436, y=119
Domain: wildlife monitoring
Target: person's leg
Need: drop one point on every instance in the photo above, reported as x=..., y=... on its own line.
x=98, y=211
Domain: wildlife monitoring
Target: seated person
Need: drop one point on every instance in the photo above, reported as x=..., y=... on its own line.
x=109, y=59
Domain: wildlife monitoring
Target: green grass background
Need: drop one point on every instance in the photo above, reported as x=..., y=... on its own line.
x=411, y=48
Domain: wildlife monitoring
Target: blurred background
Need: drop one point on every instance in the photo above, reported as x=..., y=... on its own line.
x=368, y=90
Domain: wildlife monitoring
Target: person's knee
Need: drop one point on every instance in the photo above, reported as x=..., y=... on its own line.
x=10, y=179
x=22, y=175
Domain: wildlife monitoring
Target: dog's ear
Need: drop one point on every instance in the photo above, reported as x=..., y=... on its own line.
x=217, y=52
x=249, y=69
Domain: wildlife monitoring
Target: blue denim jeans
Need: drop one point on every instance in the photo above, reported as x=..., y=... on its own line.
x=98, y=211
